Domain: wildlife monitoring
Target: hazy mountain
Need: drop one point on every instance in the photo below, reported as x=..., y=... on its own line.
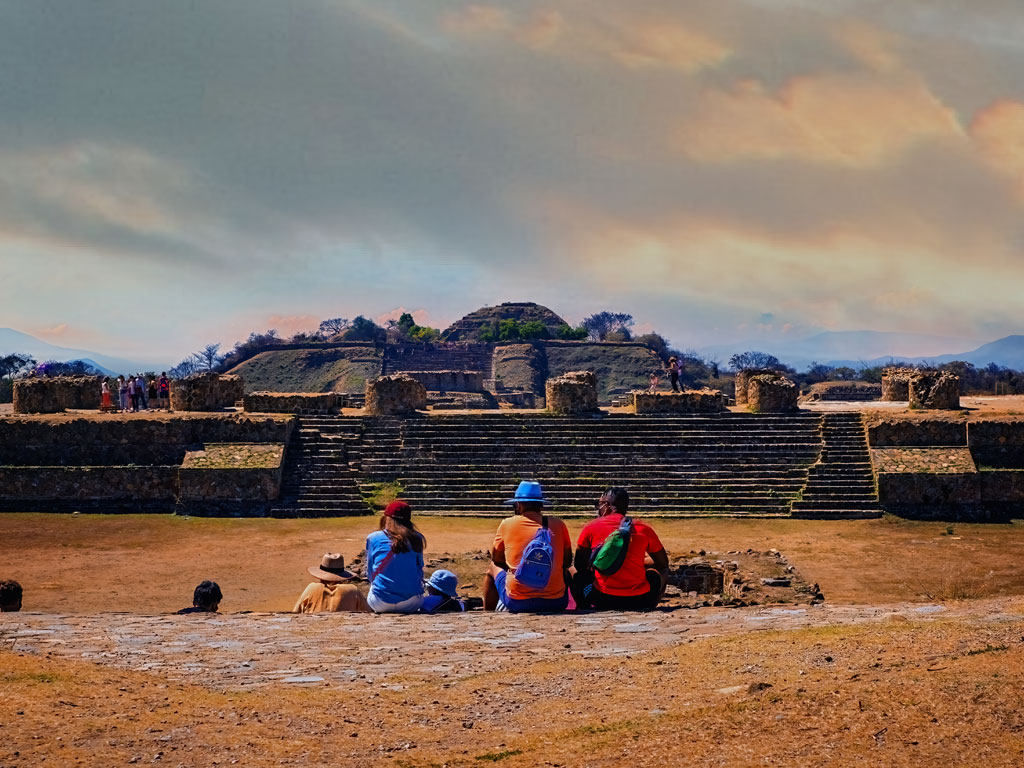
x=12, y=341
x=852, y=348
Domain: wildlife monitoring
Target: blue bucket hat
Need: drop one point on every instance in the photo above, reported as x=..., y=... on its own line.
x=444, y=581
x=528, y=490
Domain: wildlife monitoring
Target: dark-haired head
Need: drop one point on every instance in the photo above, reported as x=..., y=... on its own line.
x=207, y=596
x=10, y=596
x=397, y=523
x=523, y=507
x=617, y=498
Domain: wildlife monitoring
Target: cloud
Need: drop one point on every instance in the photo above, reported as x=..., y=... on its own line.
x=289, y=325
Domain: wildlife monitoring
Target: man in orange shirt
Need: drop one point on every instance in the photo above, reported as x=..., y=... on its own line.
x=502, y=589
x=639, y=582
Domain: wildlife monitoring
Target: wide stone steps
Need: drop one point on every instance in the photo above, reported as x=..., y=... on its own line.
x=841, y=485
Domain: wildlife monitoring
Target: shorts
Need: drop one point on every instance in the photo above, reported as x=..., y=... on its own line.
x=412, y=605
x=589, y=596
x=530, y=604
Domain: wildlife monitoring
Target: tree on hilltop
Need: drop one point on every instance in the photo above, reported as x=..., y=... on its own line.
x=602, y=324
x=208, y=357
x=333, y=326
x=744, y=361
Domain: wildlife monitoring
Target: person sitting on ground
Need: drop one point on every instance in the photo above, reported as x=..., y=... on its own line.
x=10, y=596
x=442, y=593
x=205, y=599
x=394, y=562
x=332, y=590
x=631, y=579
x=530, y=558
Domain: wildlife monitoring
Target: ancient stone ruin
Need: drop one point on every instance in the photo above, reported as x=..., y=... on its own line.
x=56, y=394
x=449, y=381
x=206, y=392
x=304, y=403
x=934, y=390
x=395, y=395
x=742, y=382
x=687, y=401
x=896, y=384
x=572, y=392
x=771, y=393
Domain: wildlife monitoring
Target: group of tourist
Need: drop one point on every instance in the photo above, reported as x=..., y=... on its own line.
x=619, y=565
x=135, y=393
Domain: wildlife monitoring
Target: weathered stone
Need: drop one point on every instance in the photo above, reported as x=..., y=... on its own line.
x=519, y=368
x=934, y=390
x=915, y=430
x=827, y=391
x=449, y=381
x=687, y=401
x=742, y=379
x=896, y=384
x=232, y=471
x=206, y=392
x=771, y=393
x=573, y=392
x=56, y=394
x=294, y=402
x=395, y=395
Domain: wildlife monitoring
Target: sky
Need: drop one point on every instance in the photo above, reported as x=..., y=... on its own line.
x=174, y=174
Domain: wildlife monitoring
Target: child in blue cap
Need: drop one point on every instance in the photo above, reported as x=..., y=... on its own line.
x=442, y=593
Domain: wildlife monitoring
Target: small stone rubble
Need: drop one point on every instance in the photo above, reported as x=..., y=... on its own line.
x=743, y=578
x=687, y=401
x=395, y=395
x=896, y=383
x=742, y=382
x=934, y=390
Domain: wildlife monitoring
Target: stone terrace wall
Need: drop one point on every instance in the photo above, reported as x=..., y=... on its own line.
x=910, y=431
x=139, y=440
x=843, y=391
x=238, y=473
x=520, y=368
x=89, y=483
x=449, y=381
x=308, y=403
x=395, y=395
x=932, y=390
x=771, y=393
x=687, y=401
x=742, y=382
x=896, y=384
x=57, y=393
x=206, y=392
x=573, y=392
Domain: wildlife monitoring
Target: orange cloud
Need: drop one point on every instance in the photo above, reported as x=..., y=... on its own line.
x=844, y=119
x=57, y=331
x=421, y=316
x=998, y=133
x=289, y=325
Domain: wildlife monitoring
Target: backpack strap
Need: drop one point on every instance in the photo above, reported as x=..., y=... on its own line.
x=382, y=566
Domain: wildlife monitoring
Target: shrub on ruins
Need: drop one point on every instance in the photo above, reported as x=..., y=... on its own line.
x=11, y=366
x=534, y=329
x=600, y=325
x=364, y=329
x=568, y=333
x=406, y=329
x=243, y=350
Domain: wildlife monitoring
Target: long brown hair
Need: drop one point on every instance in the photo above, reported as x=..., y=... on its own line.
x=403, y=534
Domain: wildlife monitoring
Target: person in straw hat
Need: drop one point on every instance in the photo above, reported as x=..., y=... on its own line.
x=332, y=590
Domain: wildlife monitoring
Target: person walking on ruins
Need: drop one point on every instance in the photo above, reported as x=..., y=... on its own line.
x=394, y=562
x=333, y=590
x=530, y=558
x=205, y=599
x=164, y=391
x=621, y=564
x=673, y=372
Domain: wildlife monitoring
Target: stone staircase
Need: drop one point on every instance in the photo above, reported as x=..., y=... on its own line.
x=841, y=484
x=717, y=465
x=440, y=356
x=321, y=468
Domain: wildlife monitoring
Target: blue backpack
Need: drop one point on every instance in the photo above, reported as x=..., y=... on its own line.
x=534, y=569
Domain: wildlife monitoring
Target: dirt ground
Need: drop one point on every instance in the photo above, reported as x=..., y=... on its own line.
x=916, y=658
x=149, y=564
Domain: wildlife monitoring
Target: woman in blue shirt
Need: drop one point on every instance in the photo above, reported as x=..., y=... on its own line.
x=394, y=562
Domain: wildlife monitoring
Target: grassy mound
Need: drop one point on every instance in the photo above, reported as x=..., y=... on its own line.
x=335, y=369
x=619, y=367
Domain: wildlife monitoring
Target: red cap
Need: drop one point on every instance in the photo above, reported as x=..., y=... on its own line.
x=398, y=508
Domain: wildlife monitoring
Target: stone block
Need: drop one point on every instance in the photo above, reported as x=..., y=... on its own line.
x=395, y=395
x=742, y=382
x=687, y=401
x=934, y=390
x=307, y=403
x=56, y=394
x=911, y=431
x=572, y=392
x=206, y=392
x=771, y=393
x=896, y=384
x=231, y=472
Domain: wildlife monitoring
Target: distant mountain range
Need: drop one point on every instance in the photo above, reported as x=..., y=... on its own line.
x=870, y=348
x=12, y=341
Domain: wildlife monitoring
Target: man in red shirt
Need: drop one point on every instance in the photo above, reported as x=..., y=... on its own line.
x=639, y=582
